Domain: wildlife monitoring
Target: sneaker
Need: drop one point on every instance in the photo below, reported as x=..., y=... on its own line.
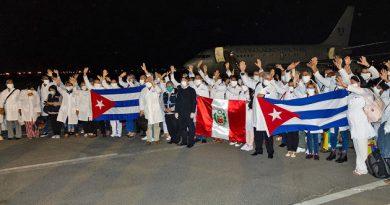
x=44, y=135
x=288, y=154
x=168, y=138
x=232, y=143
x=293, y=155
x=300, y=150
x=237, y=145
x=250, y=148
x=144, y=138
x=244, y=147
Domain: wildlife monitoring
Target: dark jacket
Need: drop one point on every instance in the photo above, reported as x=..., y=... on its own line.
x=56, y=100
x=172, y=99
x=185, y=102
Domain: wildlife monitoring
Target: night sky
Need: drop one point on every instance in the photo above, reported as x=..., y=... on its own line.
x=123, y=34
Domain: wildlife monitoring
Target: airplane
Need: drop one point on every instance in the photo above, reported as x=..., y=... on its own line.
x=335, y=44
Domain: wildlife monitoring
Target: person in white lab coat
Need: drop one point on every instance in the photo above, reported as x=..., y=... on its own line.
x=131, y=81
x=9, y=102
x=68, y=111
x=30, y=109
x=43, y=91
x=149, y=104
x=233, y=92
x=361, y=128
x=84, y=111
x=217, y=86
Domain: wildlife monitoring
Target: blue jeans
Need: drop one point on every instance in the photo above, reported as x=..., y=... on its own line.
x=130, y=125
x=45, y=130
x=312, y=140
x=344, y=138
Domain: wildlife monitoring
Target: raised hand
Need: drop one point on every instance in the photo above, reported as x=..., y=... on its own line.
x=340, y=82
x=172, y=68
x=85, y=71
x=100, y=78
x=363, y=61
x=105, y=73
x=205, y=69
x=56, y=72
x=199, y=64
x=272, y=73
x=293, y=65
x=122, y=75
x=143, y=67
x=243, y=66
x=49, y=73
x=191, y=68
x=313, y=64
x=108, y=79
x=227, y=66
x=387, y=64
x=258, y=63
x=338, y=62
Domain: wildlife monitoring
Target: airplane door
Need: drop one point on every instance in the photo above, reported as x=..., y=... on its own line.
x=219, y=55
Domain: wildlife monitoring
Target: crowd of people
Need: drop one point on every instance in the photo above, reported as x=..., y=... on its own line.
x=169, y=105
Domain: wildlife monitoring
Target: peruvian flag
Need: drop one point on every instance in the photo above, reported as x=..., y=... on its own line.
x=224, y=119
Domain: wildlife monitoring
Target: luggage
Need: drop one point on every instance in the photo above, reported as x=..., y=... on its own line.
x=377, y=166
x=142, y=124
x=374, y=110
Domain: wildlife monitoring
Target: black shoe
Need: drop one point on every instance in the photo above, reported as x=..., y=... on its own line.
x=190, y=145
x=10, y=138
x=204, y=141
x=254, y=154
x=270, y=156
x=343, y=158
x=182, y=144
x=316, y=157
x=309, y=156
x=17, y=138
x=282, y=145
x=170, y=142
x=331, y=156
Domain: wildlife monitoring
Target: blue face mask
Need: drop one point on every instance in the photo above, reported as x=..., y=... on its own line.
x=169, y=89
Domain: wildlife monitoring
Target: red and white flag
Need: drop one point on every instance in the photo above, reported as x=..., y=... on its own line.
x=224, y=119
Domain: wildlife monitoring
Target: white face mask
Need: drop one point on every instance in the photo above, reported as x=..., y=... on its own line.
x=10, y=86
x=286, y=78
x=233, y=83
x=158, y=80
x=256, y=78
x=376, y=90
x=355, y=85
x=266, y=82
x=69, y=88
x=46, y=82
x=239, y=81
x=148, y=84
x=183, y=84
x=306, y=78
x=310, y=91
x=366, y=76
x=52, y=92
x=141, y=82
x=197, y=82
x=114, y=85
x=97, y=85
x=244, y=88
x=84, y=87
x=291, y=88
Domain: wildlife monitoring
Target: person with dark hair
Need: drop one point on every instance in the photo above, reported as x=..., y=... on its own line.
x=185, y=112
x=52, y=107
x=43, y=91
x=9, y=104
x=361, y=128
x=169, y=103
x=30, y=109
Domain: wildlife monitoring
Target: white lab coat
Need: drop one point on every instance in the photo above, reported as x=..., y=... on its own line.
x=12, y=105
x=233, y=93
x=257, y=87
x=218, y=88
x=359, y=126
x=43, y=91
x=29, y=105
x=68, y=106
x=84, y=105
x=149, y=102
x=201, y=90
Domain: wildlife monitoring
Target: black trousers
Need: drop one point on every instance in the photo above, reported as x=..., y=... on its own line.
x=260, y=136
x=88, y=126
x=95, y=125
x=55, y=125
x=292, y=139
x=172, y=125
x=186, y=130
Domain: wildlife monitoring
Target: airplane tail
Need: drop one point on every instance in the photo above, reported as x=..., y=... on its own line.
x=342, y=31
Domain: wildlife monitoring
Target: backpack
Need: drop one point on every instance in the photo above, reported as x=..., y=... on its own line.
x=374, y=110
x=377, y=166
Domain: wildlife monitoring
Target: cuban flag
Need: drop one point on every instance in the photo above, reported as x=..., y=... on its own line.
x=115, y=104
x=317, y=112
